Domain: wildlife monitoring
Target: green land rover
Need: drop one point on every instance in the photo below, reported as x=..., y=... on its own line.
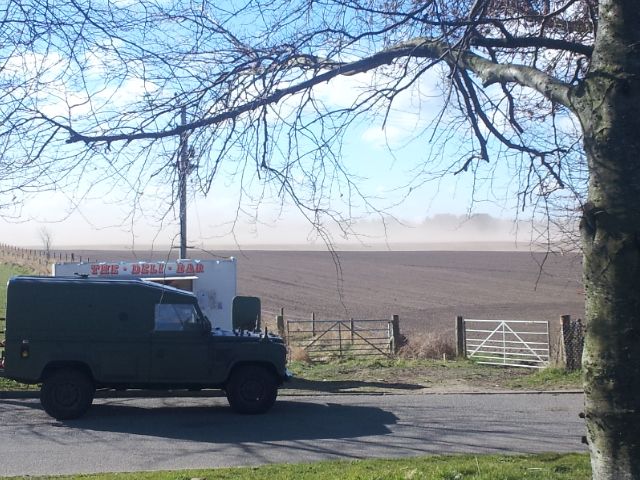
x=76, y=335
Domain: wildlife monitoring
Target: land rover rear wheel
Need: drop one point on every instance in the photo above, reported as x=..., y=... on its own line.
x=66, y=394
x=251, y=389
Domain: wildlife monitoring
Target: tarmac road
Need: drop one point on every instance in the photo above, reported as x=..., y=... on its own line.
x=135, y=434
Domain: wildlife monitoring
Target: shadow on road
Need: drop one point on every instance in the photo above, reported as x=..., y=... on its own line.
x=288, y=420
x=348, y=386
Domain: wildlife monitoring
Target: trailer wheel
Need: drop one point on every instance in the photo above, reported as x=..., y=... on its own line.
x=66, y=393
x=251, y=389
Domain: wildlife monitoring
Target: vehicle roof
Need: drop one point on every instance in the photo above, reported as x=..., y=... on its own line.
x=84, y=280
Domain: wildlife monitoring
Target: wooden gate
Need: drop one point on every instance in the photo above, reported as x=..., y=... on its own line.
x=331, y=338
x=515, y=343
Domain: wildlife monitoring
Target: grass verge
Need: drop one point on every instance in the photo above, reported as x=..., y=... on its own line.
x=549, y=379
x=7, y=385
x=401, y=374
x=453, y=467
x=8, y=270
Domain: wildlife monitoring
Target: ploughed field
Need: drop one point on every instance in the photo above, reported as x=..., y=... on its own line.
x=427, y=289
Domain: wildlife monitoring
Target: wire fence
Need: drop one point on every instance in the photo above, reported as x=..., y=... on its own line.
x=38, y=260
x=573, y=332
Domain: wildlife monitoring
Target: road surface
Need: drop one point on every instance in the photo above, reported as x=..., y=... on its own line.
x=135, y=434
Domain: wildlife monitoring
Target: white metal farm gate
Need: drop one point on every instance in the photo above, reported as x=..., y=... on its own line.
x=516, y=343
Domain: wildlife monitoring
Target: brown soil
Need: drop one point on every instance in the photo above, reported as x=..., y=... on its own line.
x=427, y=289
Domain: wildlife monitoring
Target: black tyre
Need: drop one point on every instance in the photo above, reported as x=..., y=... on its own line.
x=66, y=394
x=251, y=389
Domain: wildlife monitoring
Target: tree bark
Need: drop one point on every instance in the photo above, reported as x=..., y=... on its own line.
x=607, y=105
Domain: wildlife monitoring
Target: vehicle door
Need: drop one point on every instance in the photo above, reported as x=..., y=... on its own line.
x=180, y=345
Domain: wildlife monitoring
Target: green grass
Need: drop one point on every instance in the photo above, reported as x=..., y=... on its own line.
x=7, y=271
x=382, y=374
x=337, y=368
x=549, y=378
x=454, y=467
x=7, y=385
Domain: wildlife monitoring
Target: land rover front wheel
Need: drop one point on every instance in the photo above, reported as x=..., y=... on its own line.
x=66, y=394
x=251, y=389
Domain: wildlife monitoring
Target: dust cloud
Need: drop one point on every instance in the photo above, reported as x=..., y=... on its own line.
x=439, y=232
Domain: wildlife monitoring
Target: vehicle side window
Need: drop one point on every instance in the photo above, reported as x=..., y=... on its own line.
x=175, y=317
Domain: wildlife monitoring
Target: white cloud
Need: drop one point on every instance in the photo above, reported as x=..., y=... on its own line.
x=343, y=91
x=412, y=110
x=387, y=137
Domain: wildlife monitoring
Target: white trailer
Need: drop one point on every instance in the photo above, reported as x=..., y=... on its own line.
x=213, y=281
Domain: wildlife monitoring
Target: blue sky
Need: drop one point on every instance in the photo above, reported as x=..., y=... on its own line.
x=101, y=219
x=385, y=160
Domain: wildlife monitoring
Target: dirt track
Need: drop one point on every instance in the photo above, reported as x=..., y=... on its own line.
x=427, y=289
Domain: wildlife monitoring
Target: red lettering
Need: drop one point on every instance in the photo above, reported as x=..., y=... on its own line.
x=180, y=268
x=190, y=268
x=161, y=268
x=114, y=269
x=135, y=269
x=153, y=269
x=199, y=268
x=95, y=269
x=145, y=269
x=104, y=269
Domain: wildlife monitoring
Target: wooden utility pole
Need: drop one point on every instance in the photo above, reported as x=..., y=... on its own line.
x=183, y=171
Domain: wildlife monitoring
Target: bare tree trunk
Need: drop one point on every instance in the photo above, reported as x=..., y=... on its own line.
x=45, y=236
x=610, y=228
x=611, y=359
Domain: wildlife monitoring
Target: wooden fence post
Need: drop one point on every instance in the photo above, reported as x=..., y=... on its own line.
x=395, y=333
x=557, y=353
x=351, y=329
x=460, y=337
x=280, y=325
x=313, y=324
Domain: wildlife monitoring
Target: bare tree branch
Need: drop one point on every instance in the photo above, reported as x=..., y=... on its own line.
x=489, y=71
